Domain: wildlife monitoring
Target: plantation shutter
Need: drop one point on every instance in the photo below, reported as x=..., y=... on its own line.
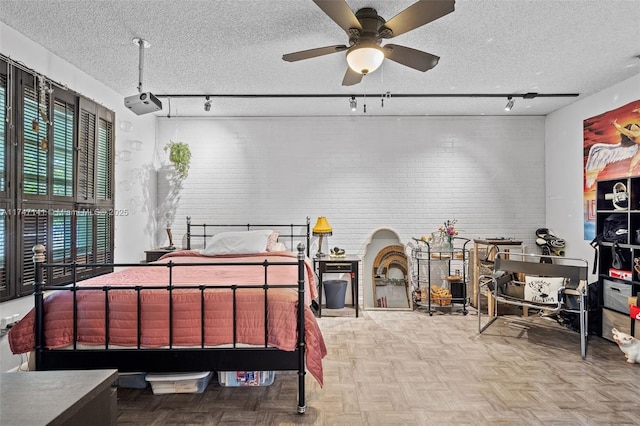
x=105, y=160
x=84, y=236
x=85, y=192
x=34, y=231
x=5, y=291
x=63, y=127
x=61, y=243
x=104, y=238
x=35, y=146
x=58, y=147
x=3, y=133
x=5, y=219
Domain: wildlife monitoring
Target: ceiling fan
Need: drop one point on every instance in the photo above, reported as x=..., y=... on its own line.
x=366, y=29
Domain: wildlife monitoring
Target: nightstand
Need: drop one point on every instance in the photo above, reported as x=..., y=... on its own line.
x=155, y=254
x=340, y=265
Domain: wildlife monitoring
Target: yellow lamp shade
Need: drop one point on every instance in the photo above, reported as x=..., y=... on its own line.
x=322, y=227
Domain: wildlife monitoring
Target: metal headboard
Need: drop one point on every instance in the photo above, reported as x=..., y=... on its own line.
x=288, y=232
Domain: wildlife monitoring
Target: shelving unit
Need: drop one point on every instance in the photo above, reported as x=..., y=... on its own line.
x=433, y=268
x=617, y=284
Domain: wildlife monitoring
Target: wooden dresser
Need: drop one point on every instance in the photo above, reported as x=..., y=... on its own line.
x=78, y=397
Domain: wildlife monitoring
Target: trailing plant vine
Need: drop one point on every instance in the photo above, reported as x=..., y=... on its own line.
x=180, y=156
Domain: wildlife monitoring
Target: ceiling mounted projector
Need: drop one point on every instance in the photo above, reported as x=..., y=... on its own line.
x=143, y=103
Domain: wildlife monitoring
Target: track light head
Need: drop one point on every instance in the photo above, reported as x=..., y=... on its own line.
x=510, y=103
x=353, y=103
x=207, y=104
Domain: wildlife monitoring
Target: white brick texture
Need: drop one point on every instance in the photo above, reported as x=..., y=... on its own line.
x=405, y=173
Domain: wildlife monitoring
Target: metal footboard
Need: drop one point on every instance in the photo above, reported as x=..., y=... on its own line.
x=172, y=358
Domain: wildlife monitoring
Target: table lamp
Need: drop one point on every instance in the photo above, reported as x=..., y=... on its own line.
x=321, y=229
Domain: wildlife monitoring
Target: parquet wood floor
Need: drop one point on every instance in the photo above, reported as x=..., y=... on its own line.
x=409, y=368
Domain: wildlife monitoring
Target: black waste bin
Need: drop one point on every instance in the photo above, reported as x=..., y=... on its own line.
x=335, y=291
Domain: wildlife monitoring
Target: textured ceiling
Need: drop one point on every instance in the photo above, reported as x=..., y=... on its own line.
x=235, y=47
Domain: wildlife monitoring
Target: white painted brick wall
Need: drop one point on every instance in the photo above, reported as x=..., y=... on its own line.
x=408, y=174
x=405, y=173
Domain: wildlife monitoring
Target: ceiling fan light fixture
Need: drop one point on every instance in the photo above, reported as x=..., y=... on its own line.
x=366, y=58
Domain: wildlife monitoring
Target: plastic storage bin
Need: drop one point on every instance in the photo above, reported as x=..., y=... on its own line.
x=246, y=378
x=615, y=295
x=335, y=290
x=611, y=319
x=179, y=382
x=132, y=380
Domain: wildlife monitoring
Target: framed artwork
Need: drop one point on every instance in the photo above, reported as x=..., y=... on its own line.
x=610, y=150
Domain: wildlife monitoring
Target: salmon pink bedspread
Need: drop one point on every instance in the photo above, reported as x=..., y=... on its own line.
x=218, y=312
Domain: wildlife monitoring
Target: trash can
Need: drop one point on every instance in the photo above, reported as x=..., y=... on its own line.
x=335, y=291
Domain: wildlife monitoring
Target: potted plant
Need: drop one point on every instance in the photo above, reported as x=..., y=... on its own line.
x=180, y=156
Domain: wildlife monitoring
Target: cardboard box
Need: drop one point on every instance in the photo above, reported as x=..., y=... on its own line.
x=622, y=274
x=246, y=378
x=612, y=319
x=635, y=315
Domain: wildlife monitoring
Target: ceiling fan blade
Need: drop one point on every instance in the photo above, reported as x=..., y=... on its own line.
x=412, y=58
x=418, y=14
x=340, y=12
x=351, y=77
x=312, y=53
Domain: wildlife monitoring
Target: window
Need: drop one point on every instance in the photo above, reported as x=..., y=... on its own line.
x=105, y=160
x=86, y=153
x=35, y=158
x=35, y=224
x=61, y=243
x=3, y=134
x=4, y=272
x=59, y=148
x=63, y=143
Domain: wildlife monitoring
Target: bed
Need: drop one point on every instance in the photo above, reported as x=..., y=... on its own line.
x=230, y=306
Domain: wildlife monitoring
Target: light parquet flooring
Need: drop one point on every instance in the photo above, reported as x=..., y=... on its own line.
x=409, y=368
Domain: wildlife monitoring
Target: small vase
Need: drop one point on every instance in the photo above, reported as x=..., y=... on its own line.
x=447, y=245
x=436, y=242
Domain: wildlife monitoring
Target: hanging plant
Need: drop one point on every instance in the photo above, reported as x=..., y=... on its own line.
x=180, y=156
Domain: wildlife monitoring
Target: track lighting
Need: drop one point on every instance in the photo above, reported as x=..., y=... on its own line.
x=207, y=104
x=353, y=103
x=510, y=103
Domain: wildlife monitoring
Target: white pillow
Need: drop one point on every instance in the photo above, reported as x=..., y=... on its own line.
x=542, y=289
x=240, y=242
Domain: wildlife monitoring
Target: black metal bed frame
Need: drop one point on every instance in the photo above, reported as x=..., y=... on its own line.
x=291, y=235
x=174, y=359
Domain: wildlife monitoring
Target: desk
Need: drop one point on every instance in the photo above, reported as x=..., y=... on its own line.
x=78, y=397
x=503, y=245
x=340, y=265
